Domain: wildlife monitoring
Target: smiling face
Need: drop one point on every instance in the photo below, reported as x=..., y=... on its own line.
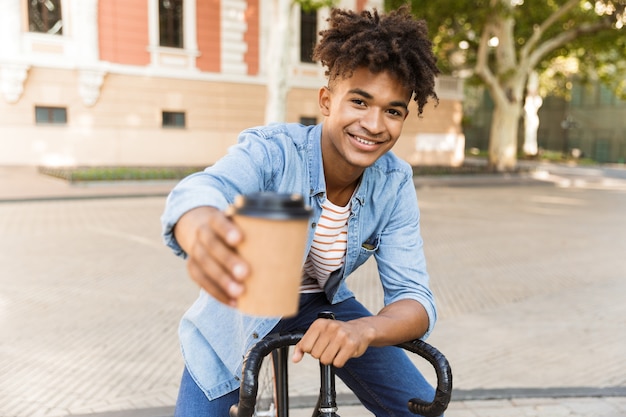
x=364, y=116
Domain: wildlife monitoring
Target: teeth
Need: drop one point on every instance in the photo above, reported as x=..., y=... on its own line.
x=366, y=142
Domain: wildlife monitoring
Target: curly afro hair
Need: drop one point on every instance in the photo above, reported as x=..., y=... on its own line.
x=394, y=42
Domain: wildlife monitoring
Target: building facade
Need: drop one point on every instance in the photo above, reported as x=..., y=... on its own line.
x=167, y=82
x=592, y=124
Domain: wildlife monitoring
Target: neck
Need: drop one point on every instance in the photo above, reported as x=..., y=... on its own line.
x=341, y=176
x=340, y=197
x=340, y=190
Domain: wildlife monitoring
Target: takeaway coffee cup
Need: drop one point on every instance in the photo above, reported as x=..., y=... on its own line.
x=275, y=231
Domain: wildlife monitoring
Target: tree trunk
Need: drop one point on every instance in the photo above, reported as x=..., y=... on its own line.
x=532, y=104
x=278, y=61
x=505, y=80
x=503, y=136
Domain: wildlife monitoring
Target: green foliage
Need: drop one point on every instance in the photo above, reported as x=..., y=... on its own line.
x=120, y=173
x=499, y=43
x=312, y=5
x=456, y=27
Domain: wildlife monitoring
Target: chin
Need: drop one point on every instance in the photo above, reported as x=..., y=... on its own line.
x=363, y=162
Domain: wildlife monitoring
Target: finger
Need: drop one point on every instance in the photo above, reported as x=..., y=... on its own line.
x=298, y=354
x=308, y=341
x=209, y=284
x=213, y=276
x=319, y=336
x=337, y=354
x=226, y=229
x=227, y=259
x=210, y=271
x=221, y=251
x=320, y=349
x=338, y=344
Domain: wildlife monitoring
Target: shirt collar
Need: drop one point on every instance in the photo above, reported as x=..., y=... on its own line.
x=316, y=167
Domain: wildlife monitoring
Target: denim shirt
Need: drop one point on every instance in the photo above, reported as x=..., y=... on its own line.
x=384, y=222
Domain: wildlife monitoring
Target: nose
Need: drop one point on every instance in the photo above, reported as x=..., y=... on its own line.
x=372, y=121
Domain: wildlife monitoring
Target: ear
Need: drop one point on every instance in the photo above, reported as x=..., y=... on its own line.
x=324, y=101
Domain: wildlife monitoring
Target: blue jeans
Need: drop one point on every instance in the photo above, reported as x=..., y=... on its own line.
x=383, y=379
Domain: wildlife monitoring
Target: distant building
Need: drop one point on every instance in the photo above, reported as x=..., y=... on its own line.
x=166, y=82
x=592, y=124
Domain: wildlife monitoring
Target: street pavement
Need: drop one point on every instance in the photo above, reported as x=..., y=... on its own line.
x=529, y=272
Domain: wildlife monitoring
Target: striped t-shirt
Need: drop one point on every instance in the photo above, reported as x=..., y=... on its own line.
x=328, y=249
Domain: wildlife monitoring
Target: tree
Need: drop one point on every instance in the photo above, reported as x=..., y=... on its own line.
x=281, y=33
x=501, y=42
x=588, y=59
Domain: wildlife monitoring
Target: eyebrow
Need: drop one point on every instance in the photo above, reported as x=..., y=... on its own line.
x=369, y=96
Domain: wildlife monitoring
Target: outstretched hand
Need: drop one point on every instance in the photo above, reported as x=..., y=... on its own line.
x=210, y=239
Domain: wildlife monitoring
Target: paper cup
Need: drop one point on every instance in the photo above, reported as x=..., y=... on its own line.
x=275, y=228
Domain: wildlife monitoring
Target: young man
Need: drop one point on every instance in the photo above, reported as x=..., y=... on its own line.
x=375, y=65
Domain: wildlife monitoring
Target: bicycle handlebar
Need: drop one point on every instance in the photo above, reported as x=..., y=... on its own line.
x=254, y=358
x=251, y=366
x=443, y=392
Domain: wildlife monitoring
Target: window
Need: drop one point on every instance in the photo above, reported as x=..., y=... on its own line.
x=606, y=96
x=44, y=16
x=174, y=119
x=171, y=23
x=50, y=115
x=308, y=35
x=589, y=95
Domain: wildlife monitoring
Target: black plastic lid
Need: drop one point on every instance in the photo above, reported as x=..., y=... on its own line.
x=272, y=205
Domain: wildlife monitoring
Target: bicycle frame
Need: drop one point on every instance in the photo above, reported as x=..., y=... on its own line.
x=327, y=402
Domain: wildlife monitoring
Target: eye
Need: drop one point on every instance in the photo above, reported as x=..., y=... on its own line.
x=358, y=102
x=395, y=113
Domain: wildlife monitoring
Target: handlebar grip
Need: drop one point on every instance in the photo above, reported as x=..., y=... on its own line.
x=251, y=366
x=443, y=391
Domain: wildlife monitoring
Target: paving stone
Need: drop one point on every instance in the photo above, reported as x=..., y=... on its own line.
x=529, y=280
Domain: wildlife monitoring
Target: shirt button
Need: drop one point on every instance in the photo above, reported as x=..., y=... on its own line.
x=313, y=225
x=255, y=335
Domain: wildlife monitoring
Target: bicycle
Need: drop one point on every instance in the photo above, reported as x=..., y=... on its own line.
x=278, y=344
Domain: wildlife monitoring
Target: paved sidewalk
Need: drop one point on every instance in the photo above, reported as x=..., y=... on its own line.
x=529, y=274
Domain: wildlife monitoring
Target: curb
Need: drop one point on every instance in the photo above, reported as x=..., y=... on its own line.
x=349, y=399
x=478, y=180
x=80, y=197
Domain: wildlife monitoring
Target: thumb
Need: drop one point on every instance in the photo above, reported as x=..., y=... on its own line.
x=298, y=354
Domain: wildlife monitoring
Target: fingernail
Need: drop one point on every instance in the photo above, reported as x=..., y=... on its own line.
x=235, y=289
x=239, y=271
x=232, y=237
